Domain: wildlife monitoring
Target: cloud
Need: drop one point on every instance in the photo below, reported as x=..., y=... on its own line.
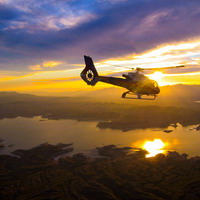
x=184, y=53
x=53, y=81
x=46, y=64
x=111, y=1
x=51, y=63
x=65, y=30
x=35, y=67
x=8, y=13
x=45, y=15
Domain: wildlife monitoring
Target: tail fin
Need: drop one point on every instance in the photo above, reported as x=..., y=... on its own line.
x=89, y=74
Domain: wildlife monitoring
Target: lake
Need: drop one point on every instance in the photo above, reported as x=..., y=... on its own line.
x=25, y=133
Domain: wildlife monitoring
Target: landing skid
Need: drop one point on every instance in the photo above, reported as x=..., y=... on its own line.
x=138, y=96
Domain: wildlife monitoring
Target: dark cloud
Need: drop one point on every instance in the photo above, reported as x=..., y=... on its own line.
x=8, y=13
x=116, y=30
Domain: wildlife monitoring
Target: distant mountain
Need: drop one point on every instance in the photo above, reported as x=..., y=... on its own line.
x=169, y=95
x=6, y=97
x=14, y=94
x=175, y=104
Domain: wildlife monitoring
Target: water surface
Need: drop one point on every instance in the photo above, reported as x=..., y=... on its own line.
x=25, y=133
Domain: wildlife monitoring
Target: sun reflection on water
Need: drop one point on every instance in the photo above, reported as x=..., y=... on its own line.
x=154, y=147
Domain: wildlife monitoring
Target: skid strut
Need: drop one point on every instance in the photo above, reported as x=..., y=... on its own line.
x=138, y=96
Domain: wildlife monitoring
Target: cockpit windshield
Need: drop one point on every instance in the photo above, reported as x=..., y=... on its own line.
x=155, y=83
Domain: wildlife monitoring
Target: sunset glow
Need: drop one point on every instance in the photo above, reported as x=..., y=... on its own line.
x=162, y=57
x=157, y=76
x=55, y=46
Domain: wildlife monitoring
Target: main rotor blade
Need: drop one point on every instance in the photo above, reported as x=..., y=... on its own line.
x=141, y=69
x=159, y=68
x=118, y=66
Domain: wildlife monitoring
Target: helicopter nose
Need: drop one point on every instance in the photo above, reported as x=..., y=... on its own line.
x=157, y=90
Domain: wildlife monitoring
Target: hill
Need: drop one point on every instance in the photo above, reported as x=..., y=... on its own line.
x=120, y=114
x=169, y=95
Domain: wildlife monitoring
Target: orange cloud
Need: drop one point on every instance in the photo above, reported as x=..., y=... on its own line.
x=35, y=67
x=185, y=52
x=51, y=63
x=46, y=64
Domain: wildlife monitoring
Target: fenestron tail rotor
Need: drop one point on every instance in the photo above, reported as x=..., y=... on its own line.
x=89, y=75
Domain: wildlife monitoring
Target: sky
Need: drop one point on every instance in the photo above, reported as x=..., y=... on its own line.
x=42, y=43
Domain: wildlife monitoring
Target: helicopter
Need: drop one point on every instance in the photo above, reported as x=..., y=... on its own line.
x=136, y=83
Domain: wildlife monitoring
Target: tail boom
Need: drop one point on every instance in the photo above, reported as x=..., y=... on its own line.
x=121, y=82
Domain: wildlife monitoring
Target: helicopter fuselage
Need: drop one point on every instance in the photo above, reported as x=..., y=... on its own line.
x=142, y=86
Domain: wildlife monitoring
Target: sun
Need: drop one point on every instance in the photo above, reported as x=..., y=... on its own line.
x=154, y=147
x=157, y=76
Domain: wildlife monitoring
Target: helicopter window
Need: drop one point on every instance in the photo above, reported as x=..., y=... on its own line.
x=155, y=84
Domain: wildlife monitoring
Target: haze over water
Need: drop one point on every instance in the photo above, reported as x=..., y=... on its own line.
x=25, y=133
